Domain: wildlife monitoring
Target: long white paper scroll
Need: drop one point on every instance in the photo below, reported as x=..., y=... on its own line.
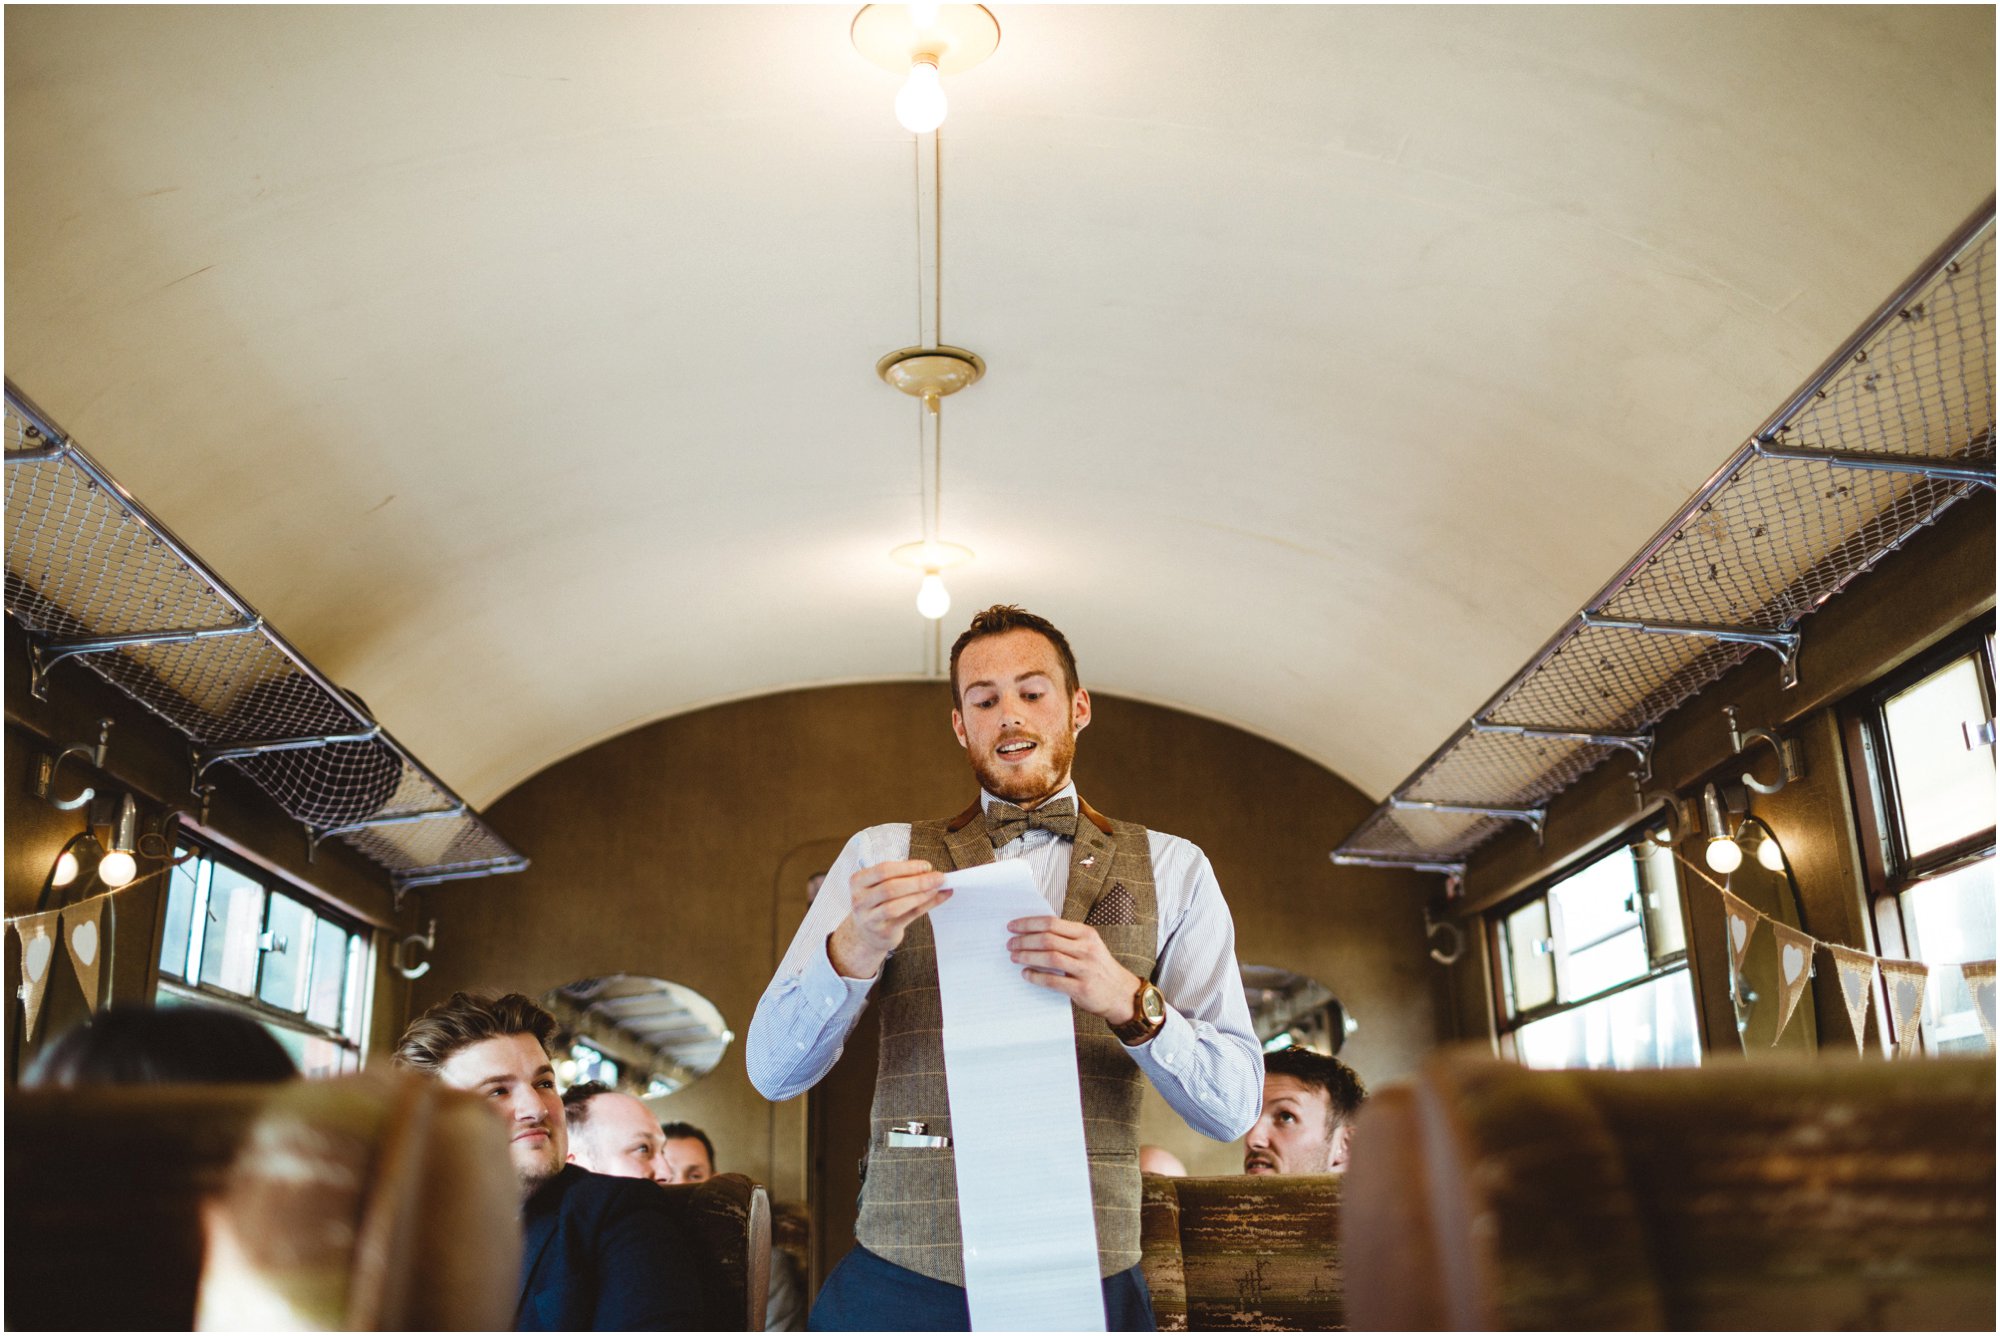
x=1024, y=1204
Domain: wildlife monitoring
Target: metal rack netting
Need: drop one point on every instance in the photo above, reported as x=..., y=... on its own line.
x=95, y=580
x=1508, y=771
x=1893, y=430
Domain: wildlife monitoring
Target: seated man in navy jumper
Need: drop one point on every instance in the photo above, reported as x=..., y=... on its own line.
x=601, y=1254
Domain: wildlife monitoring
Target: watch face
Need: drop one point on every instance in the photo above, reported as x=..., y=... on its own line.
x=1152, y=1005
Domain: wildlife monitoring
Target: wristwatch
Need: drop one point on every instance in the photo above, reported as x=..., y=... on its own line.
x=1149, y=1016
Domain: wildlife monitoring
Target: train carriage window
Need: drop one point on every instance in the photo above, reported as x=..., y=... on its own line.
x=1924, y=784
x=230, y=939
x=1594, y=966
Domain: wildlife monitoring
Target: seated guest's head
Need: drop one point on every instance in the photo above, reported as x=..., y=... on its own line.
x=689, y=1156
x=1310, y=1101
x=496, y=1047
x=1160, y=1160
x=182, y=1045
x=614, y=1134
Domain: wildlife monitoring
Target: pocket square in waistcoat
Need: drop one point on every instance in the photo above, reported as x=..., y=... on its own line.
x=1113, y=908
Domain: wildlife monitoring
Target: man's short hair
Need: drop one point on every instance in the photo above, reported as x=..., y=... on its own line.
x=1002, y=618
x=464, y=1019
x=1344, y=1090
x=576, y=1102
x=688, y=1131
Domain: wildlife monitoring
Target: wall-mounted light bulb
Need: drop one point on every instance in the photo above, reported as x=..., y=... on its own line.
x=921, y=105
x=933, y=599
x=1770, y=855
x=66, y=869
x=1724, y=854
x=117, y=868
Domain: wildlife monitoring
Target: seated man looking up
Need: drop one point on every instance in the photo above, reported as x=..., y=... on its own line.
x=689, y=1154
x=1310, y=1101
x=613, y=1134
x=601, y=1254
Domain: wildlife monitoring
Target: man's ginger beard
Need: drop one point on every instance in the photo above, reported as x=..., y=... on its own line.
x=1027, y=786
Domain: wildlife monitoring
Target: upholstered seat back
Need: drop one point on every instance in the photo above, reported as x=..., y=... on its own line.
x=730, y=1217
x=1244, y=1253
x=1830, y=1194
x=375, y=1204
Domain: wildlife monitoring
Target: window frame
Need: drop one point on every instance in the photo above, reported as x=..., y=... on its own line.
x=188, y=985
x=1506, y=1022
x=1887, y=869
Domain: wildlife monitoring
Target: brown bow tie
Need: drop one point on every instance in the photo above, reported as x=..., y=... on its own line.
x=1005, y=822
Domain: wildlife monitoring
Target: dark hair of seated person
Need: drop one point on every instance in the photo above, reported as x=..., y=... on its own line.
x=187, y=1045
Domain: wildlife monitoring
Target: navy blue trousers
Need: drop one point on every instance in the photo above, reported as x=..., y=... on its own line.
x=865, y=1293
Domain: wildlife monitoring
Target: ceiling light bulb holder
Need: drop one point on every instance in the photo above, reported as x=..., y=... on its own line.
x=930, y=374
x=954, y=38
x=930, y=556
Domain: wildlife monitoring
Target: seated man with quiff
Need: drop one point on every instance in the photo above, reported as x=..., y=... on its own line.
x=601, y=1254
x=1307, y=1122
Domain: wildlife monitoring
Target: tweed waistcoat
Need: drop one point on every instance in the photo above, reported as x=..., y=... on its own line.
x=909, y=1194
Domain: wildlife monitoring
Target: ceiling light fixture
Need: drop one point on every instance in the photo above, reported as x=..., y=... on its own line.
x=928, y=40
x=922, y=43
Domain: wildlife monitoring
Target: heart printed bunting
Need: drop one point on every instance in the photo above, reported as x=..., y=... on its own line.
x=1856, y=971
x=81, y=935
x=1794, y=970
x=1742, y=925
x=1906, y=980
x=1979, y=982
x=38, y=952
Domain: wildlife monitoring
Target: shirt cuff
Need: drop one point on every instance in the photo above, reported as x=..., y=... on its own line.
x=830, y=991
x=1169, y=1053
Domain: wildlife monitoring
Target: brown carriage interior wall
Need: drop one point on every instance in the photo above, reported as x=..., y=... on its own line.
x=1942, y=579
x=150, y=760
x=680, y=850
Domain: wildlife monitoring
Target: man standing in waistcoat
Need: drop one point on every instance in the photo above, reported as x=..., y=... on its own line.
x=1141, y=943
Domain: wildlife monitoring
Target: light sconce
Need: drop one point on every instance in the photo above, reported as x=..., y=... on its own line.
x=924, y=42
x=1757, y=839
x=121, y=863
x=1723, y=854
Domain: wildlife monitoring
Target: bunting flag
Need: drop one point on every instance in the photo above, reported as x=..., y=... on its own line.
x=1742, y=921
x=1906, y=1000
x=1856, y=970
x=38, y=952
x=1979, y=982
x=80, y=933
x=1795, y=953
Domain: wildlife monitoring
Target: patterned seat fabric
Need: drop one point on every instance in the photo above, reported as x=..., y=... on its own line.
x=1244, y=1253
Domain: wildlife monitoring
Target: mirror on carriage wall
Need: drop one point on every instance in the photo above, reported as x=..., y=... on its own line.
x=1290, y=1005
x=1757, y=992
x=646, y=1037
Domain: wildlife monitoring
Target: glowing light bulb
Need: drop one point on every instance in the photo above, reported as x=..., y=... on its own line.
x=921, y=105
x=66, y=869
x=1724, y=854
x=933, y=599
x=118, y=868
x=1770, y=855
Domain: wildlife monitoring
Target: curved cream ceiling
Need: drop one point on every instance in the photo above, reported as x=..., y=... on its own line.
x=517, y=362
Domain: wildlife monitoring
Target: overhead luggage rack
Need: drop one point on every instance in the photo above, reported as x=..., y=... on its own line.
x=94, y=578
x=1893, y=429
